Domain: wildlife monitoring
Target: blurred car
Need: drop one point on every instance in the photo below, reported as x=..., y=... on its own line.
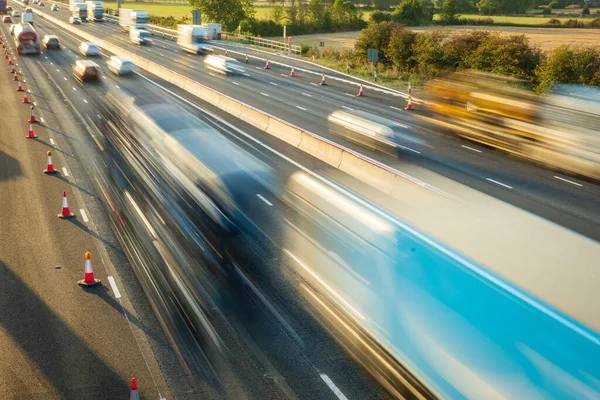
x=51, y=42
x=54, y=7
x=16, y=14
x=12, y=29
x=36, y=1
x=7, y=19
x=86, y=70
x=75, y=20
x=89, y=49
x=42, y=4
x=120, y=65
x=9, y=8
x=223, y=65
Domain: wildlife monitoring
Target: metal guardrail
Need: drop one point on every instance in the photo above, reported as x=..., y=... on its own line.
x=272, y=44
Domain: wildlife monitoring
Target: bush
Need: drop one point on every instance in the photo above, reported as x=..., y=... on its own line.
x=375, y=36
x=553, y=21
x=428, y=54
x=380, y=16
x=168, y=22
x=304, y=48
x=573, y=23
x=554, y=5
x=595, y=23
x=585, y=11
x=547, y=11
x=400, y=49
x=412, y=13
x=461, y=46
x=570, y=65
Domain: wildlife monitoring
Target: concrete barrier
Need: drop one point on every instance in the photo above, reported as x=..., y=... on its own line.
x=284, y=132
x=212, y=96
x=323, y=151
x=255, y=118
x=232, y=107
x=367, y=172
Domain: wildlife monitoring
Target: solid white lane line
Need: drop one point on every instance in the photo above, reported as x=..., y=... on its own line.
x=306, y=94
x=65, y=172
x=396, y=108
x=498, y=183
x=85, y=101
x=84, y=215
x=401, y=125
x=470, y=148
x=246, y=75
x=74, y=88
x=52, y=141
x=264, y=94
x=302, y=108
x=348, y=108
x=263, y=199
x=348, y=94
x=273, y=83
x=333, y=387
x=568, y=181
x=235, y=83
x=114, y=287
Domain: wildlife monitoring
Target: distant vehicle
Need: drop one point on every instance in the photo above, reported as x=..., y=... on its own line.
x=89, y=49
x=28, y=16
x=74, y=3
x=16, y=14
x=75, y=20
x=133, y=19
x=12, y=29
x=192, y=38
x=27, y=40
x=120, y=65
x=54, y=7
x=223, y=65
x=51, y=42
x=95, y=11
x=7, y=19
x=140, y=36
x=80, y=11
x=36, y=1
x=9, y=8
x=4, y=7
x=86, y=70
x=26, y=2
x=42, y=4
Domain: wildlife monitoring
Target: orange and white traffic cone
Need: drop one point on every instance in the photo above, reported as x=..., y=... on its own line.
x=322, y=80
x=293, y=73
x=50, y=168
x=267, y=65
x=135, y=395
x=225, y=52
x=246, y=60
x=10, y=61
x=30, y=134
x=88, y=276
x=19, y=87
x=66, y=213
x=409, y=106
x=25, y=98
x=360, y=91
x=170, y=40
x=6, y=55
x=32, y=116
x=12, y=70
x=15, y=76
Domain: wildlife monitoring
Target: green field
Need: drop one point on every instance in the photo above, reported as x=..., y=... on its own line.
x=161, y=10
x=514, y=20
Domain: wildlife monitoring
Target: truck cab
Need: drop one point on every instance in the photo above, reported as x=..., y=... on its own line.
x=140, y=36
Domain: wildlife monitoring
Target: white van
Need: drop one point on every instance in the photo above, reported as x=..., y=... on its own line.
x=120, y=65
x=88, y=49
x=140, y=36
x=223, y=65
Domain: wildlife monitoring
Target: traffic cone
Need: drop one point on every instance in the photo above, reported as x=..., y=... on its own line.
x=66, y=213
x=30, y=134
x=32, y=116
x=225, y=52
x=15, y=76
x=10, y=61
x=12, y=70
x=293, y=73
x=6, y=55
x=134, y=391
x=409, y=106
x=88, y=276
x=50, y=168
x=170, y=40
x=19, y=87
x=322, y=80
x=246, y=60
x=25, y=99
x=360, y=91
x=267, y=65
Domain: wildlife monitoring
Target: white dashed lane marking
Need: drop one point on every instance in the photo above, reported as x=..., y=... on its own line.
x=568, y=181
x=499, y=183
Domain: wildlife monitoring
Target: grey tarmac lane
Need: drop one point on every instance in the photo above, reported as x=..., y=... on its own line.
x=280, y=358
x=58, y=340
x=568, y=201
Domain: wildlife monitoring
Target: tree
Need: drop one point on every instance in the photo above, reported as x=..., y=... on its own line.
x=344, y=11
x=449, y=11
x=277, y=13
x=570, y=65
x=428, y=54
x=316, y=11
x=383, y=5
x=585, y=11
x=228, y=13
x=413, y=12
x=375, y=36
x=400, y=48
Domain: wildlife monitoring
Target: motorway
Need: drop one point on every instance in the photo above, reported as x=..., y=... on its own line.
x=58, y=340
x=279, y=351
x=568, y=201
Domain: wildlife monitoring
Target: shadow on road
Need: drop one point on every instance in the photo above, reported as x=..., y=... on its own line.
x=64, y=179
x=66, y=361
x=10, y=167
x=86, y=229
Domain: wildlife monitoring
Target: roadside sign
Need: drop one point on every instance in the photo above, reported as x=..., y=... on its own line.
x=321, y=44
x=372, y=55
x=196, y=17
